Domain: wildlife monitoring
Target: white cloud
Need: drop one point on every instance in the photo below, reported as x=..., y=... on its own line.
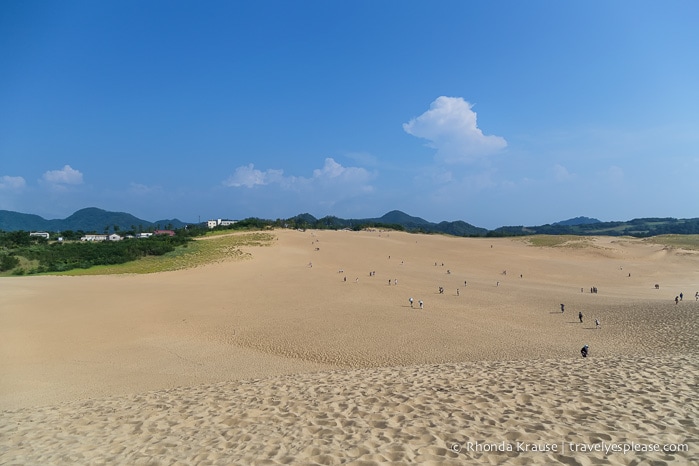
x=450, y=126
x=326, y=188
x=332, y=173
x=248, y=177
x=12, y=183
x=66, y=176
x=561, y=173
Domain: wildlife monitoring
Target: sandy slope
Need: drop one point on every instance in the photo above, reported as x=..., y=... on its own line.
x=208, y=364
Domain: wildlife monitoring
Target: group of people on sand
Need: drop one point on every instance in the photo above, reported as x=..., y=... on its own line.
x=679, y=297
x=420, y=303
x=580, y=316
x=585, y=349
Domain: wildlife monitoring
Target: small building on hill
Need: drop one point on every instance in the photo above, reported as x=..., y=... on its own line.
x=94, y=238
x=220, y=223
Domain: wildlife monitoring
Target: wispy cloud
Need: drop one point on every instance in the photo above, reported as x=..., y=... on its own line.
x=561, y=173
x=325, y=188
x=12, y=183
x=363, y=158
x=61, y=179
x=248, y=176
x=139, y=189
x=450, y=126
x=331, y=173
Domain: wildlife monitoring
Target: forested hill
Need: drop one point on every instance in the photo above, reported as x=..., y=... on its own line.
x=90, y=219
x=394, y=219
x=640, y=227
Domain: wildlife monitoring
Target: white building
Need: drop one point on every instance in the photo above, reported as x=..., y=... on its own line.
x=94, y=238
x=219, y=222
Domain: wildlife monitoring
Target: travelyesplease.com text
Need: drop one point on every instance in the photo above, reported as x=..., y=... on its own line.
x=562, y=447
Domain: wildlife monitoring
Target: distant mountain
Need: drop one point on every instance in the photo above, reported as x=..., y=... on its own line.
x=97, y=220
x=394, y=218
x=90, y=219
x=457, y=228
x=305, y=218
x=13, y=221
x=401, y=218
x=578, y=221
x=639, y=227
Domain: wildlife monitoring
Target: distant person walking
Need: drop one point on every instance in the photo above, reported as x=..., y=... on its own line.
x=681, y=296
x=580, y=316
x=597, y=325
x=677, y=299
x=421, y=304
x=411, y=301
x=584, y=351
x=563, y=308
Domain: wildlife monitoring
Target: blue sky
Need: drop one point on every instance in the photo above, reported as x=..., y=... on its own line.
x=495, y=113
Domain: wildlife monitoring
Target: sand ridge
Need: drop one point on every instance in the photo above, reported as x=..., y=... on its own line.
x=493, y=412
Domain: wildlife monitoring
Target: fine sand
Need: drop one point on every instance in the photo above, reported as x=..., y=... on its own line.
x=308, y=352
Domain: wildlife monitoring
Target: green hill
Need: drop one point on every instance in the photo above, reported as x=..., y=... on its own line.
x=90, y=219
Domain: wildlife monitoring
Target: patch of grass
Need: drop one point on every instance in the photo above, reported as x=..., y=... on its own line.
x=202, y=251
x=690, y=242
x=552, y=241
x=24, y=267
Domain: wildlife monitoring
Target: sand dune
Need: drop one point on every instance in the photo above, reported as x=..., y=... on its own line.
x=274, y=361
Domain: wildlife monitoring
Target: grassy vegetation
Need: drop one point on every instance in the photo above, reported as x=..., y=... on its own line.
x=206, y=250
x=552, y=241
x=676, y=241
x=690, y=242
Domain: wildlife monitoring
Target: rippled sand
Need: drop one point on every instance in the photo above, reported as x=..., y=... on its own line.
x=272, y=361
